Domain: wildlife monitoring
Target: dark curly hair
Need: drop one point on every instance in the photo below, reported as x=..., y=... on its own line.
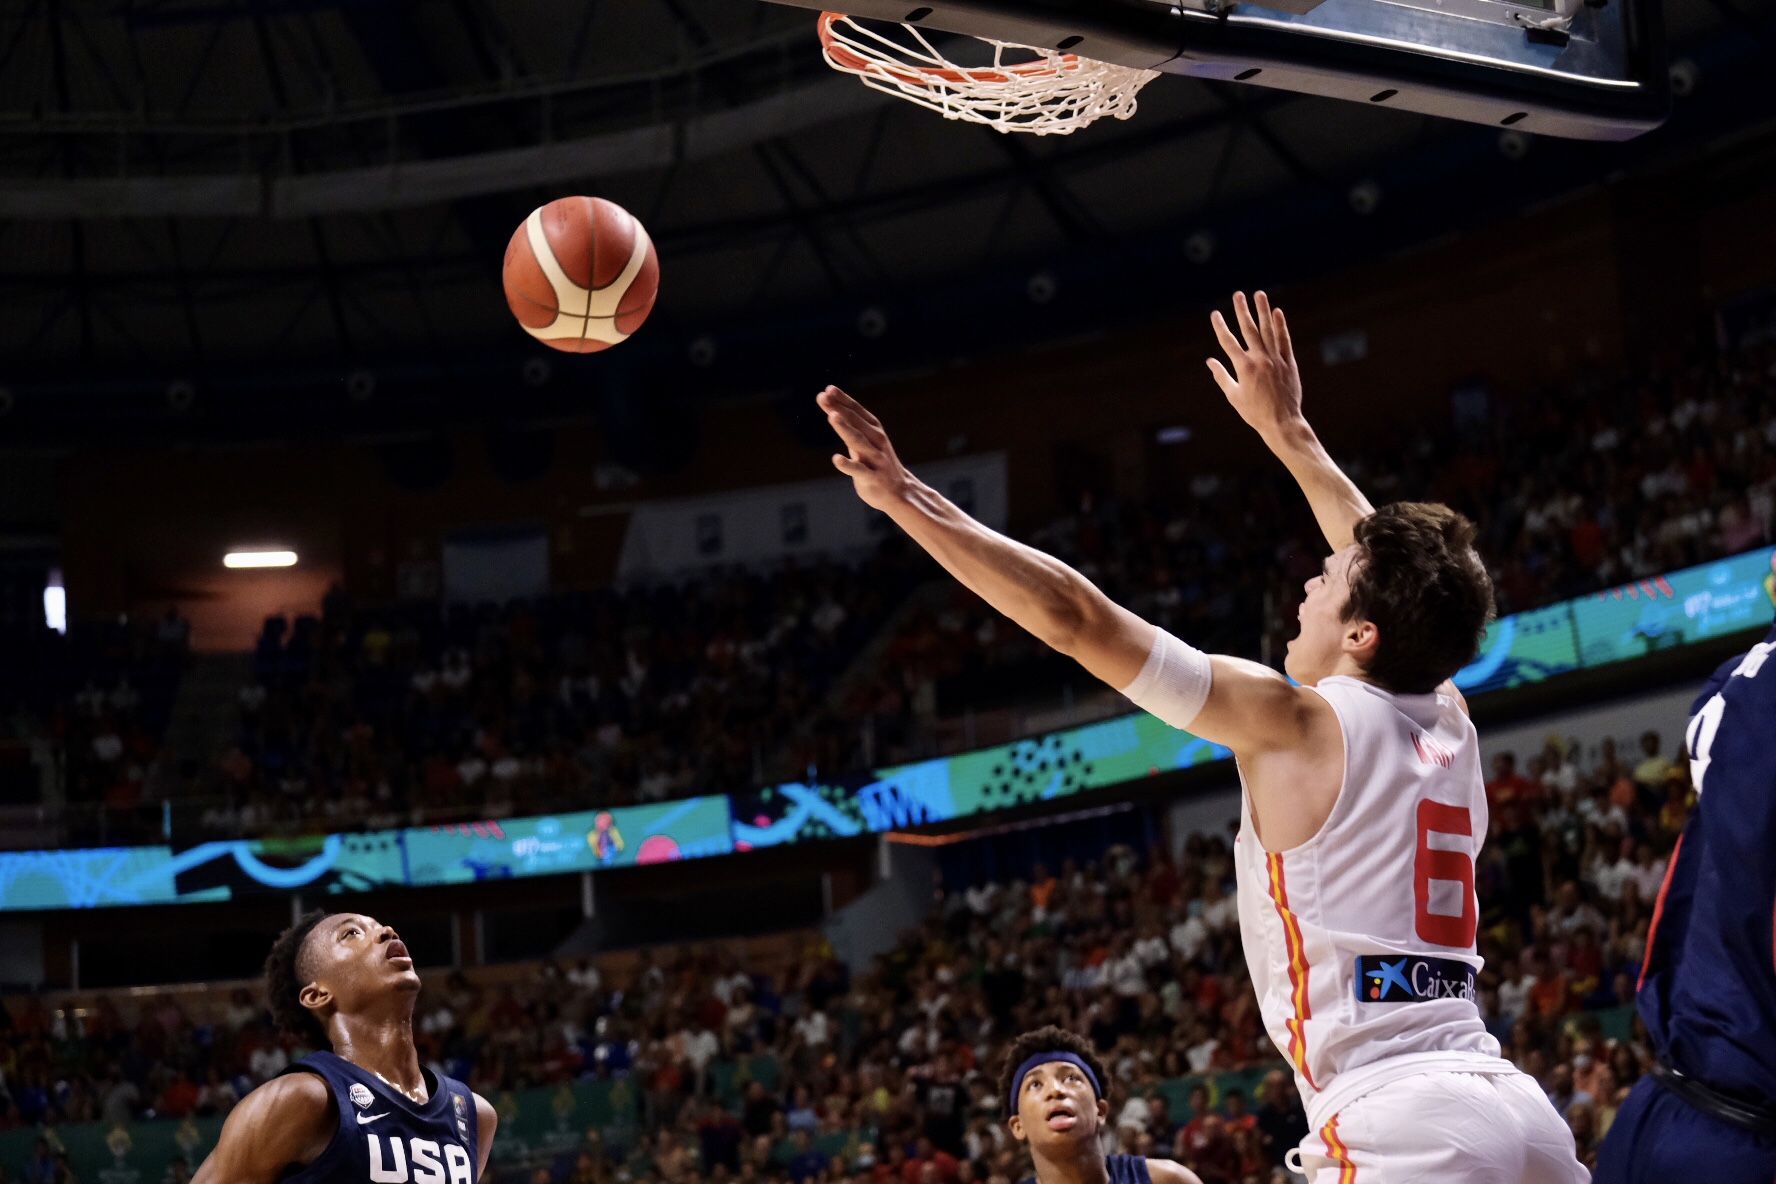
x=284, y=981
x=1419, y=579
x=1049, y=1039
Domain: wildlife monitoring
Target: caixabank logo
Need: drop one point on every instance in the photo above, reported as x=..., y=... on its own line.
x=1412, y=978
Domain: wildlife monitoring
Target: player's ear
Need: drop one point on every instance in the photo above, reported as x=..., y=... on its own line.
x=1015, y=1124
x=315, y=997
x=1361, y=640
x=1103, y=1111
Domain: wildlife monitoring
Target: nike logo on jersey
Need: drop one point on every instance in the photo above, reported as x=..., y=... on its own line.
x=367, y=1119
x=1412, y=979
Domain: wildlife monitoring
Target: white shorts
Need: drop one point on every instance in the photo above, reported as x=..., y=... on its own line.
x=1475, y=1128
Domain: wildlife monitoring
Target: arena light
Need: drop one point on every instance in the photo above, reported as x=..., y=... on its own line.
x=55, y=603
x=247, y=559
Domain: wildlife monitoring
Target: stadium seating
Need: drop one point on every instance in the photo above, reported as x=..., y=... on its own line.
x=687, y=1064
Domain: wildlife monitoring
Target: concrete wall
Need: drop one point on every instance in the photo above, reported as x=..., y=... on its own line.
x=872, y=923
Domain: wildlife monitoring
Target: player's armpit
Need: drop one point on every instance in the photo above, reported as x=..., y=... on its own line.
x=487, y=1122
x=1166, y=1171
x=1241, y=705
x=288, y=1120
x=1253, y=709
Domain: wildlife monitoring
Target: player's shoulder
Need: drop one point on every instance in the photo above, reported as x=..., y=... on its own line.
x=297, y=1093
x=485, y=1114
x=1170, y=1171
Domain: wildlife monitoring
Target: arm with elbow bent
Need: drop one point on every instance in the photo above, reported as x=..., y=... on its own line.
x=287, y=1121
x=486, y=1123
x=1265, y=388
x=1241, y=705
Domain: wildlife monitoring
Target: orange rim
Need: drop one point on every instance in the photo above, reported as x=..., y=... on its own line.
x=844, y=58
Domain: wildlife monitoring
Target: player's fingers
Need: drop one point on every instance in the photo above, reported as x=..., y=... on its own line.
x=853, y=433
x=1285, y=346
x=1225, y=336
x=842, y=399
x=1263, y=318
x=1248, y=328
x=1222, y=378
x=849, y=467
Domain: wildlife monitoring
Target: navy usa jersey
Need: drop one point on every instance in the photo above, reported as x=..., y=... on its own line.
x=1123, y=1169
x=385, y=1137
x=1708, y=987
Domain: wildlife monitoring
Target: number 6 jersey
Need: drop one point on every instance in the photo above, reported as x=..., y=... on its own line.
x=1360, y=941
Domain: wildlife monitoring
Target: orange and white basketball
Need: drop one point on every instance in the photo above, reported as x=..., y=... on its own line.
x=581, y=274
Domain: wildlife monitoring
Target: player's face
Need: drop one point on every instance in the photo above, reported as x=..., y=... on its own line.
x=356, y=959
x=1057, y=1106
x=1325, y=635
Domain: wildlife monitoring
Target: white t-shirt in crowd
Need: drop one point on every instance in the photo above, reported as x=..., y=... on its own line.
x=814, y=1029
x=268, y=1062
x=1188, y=936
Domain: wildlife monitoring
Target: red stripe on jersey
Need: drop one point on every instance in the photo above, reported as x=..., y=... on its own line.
x=1298, y=970
x=1658, y=912
x=1335, y=1148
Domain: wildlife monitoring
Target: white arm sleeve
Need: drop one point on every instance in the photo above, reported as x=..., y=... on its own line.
x=1174, y=684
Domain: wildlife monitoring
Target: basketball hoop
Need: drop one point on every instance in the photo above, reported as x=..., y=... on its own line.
x=1041, y=92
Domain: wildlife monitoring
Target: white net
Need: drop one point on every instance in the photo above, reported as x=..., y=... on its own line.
x=1041, y=92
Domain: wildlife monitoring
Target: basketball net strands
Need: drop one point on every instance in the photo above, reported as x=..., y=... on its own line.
x=1586, y=69
x=1023, y=89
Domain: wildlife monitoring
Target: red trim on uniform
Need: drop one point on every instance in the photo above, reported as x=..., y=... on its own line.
x=1298, y=970
x=1658, y=912
x=1340, y=1154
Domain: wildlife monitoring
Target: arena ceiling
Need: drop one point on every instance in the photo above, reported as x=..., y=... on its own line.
x=188, y=183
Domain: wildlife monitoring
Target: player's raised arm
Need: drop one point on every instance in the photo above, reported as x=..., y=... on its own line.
x=287, y=1121
x=1265, y=388
x=1243, y=705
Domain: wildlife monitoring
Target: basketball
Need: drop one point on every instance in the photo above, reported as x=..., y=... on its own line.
x=581, y=274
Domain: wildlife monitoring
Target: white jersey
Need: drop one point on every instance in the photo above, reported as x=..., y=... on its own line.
x=1360, y=941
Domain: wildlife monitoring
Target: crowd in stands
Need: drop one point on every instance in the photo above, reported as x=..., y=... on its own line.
x=381, y=716
x=889, y=1076
x=102, y=694
x=387, y=715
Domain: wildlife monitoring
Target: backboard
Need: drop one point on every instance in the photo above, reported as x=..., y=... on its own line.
x=1587, y=69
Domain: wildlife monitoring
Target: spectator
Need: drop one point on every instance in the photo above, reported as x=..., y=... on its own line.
x=1654, y=769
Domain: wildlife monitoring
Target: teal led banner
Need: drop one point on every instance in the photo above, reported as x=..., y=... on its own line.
x=1667, y=612
x=411, y=857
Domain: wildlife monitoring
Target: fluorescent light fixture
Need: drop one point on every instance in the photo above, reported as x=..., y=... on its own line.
x=239, y=559
x=55, y=605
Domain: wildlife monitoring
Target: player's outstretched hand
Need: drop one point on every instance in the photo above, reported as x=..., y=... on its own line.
x=1265, y=386
x=869, y=458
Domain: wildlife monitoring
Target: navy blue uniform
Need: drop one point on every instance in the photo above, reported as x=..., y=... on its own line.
x=385, y=1137
x=1708, y=989
x=1124, y=1169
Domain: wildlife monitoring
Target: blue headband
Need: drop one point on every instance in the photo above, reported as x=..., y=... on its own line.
x=1048, y=1058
